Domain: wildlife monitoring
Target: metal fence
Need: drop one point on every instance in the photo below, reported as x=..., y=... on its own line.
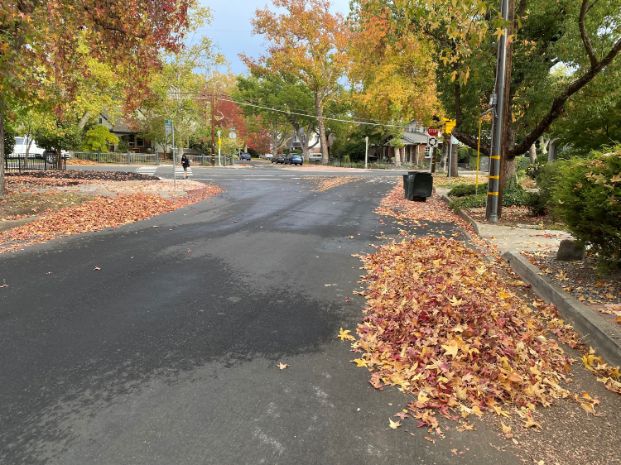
x=372, y=165
x=119, y=158
x=148, y=158
x=21, y=162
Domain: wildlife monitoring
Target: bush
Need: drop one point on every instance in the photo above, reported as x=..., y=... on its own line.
x=586, y=196
x=511, y=197
x=462, y=190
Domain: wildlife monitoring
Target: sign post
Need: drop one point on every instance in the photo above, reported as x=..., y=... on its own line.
x=219, y=147
x=366, y=153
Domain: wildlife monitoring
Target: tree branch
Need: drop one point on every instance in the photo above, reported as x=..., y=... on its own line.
x=470, y=141
x=584, y=8
x=558, y=103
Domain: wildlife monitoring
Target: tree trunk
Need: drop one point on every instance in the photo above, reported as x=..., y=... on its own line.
x=323, y=140
x=304, y=141
x=1, y=151
x=397, y=157
x=444, y=156
x=507, y=163
x=552, y=150
x=454, y=159
x=532, y=153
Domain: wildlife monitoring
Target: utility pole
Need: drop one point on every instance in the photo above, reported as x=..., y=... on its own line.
x=498, y=129
x=366, y=153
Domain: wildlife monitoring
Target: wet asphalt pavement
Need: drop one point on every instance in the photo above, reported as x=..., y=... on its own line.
x=167, y=355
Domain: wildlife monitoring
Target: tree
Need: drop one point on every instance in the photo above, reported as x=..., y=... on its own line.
x=292, y=99
x=177, y=92
x=391, y=69
x=308, y=42
x=44, y=46
x=583, y=34
x=98, y=138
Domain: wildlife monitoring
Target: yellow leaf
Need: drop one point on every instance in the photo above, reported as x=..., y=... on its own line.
x=282, y=365
x=345, y=335
x=451, y=349
x=455, y=302
x=360, y=363
x=393, y=424
x=506, y=430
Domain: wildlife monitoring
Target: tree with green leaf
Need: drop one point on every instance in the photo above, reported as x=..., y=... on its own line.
x=584, y=35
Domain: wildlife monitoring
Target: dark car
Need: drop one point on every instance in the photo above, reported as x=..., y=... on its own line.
x=294, y=159
x=280, y=159
x=245, y=156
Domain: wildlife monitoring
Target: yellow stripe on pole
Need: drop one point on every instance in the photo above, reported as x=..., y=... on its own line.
x=495, y=157
x=495, y=194
x=494, y=177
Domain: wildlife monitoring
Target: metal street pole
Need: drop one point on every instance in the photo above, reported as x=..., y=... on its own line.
x=498, y=100
x=366, y=153
x=174, y=157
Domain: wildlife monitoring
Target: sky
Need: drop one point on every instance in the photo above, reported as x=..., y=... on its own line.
x=231, y=30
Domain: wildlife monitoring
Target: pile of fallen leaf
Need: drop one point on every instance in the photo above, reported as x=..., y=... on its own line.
x=97, y=214
x=440, y=325
x=86, y=175
x=322, y=184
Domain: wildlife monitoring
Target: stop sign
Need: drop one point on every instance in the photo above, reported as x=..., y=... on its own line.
x=432, y=132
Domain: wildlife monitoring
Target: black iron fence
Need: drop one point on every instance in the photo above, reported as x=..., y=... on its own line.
x=119, y=158
x=21, y=163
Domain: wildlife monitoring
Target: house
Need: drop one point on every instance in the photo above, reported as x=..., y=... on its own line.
x=128, y=134
x=413, y=142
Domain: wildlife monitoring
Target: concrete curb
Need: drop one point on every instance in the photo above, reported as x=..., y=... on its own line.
x=597, y=331
x=465, y=216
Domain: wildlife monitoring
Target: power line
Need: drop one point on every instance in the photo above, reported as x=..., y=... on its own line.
x=297, y=113
x=288, y=112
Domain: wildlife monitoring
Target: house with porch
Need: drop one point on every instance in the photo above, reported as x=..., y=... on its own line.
x=128, y=134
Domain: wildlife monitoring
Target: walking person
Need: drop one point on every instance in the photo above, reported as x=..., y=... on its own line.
x=185, y=162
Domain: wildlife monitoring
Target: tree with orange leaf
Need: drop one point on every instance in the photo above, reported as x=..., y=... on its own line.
x=45, y=46
x=309, y=42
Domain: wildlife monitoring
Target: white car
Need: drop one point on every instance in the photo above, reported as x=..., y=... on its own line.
x=21, y=147
x=268, y=156
x=315, y=157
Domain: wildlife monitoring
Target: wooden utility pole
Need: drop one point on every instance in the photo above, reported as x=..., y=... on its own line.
x=501, y=120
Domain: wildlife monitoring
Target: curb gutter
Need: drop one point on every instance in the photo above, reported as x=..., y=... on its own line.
x=596, y=330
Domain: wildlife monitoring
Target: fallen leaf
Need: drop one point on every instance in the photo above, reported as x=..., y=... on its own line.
x=345, y=335
x=393, y=424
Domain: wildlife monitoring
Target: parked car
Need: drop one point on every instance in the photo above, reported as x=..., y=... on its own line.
x=315, y=157
x=294, y=159
x=245, y=156
x=279, y=159
x=268, y=156
x=21, y=146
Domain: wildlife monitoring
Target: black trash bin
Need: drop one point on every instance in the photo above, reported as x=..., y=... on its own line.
x=419, y=185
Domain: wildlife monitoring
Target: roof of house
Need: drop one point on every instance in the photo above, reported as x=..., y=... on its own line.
x=411, y=138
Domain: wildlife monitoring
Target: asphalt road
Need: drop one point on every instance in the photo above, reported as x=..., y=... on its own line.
x=167, y=355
